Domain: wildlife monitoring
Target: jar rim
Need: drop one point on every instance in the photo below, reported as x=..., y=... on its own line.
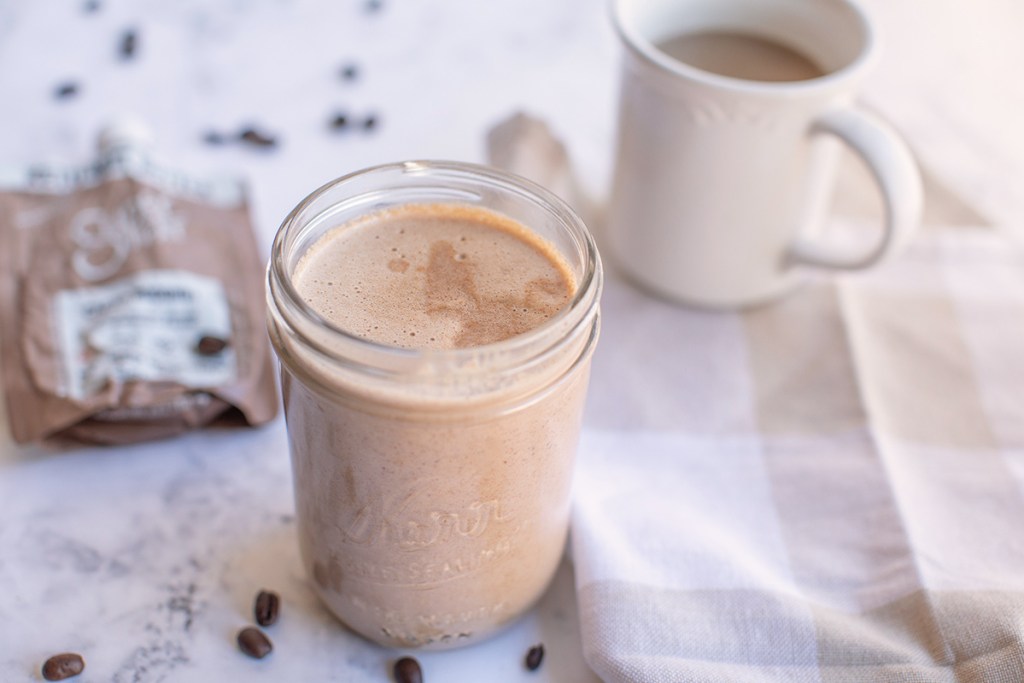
x=283, y=295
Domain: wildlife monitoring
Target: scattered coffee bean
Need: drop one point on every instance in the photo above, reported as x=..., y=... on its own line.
x=407, y=670
x=373, y=5
x=256, y=138
x=254, y=643
x=209, y=345
x=350, y=72
x=212, y=137
x=534, y=657
x=129, y=41
x=370, y=122
x=59, y=667
x=266, y=608
x=339, y=121
x=66, y=90
x=91, y=6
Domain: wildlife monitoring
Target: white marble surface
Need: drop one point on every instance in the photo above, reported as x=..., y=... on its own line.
x=146, y=558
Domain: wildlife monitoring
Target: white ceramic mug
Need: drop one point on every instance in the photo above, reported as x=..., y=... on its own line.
x=721, y=184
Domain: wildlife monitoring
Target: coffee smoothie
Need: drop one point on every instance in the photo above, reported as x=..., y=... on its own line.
x=434, y=276
x=432, y=510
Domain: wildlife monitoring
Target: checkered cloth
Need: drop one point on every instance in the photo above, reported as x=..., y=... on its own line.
x=827, y=489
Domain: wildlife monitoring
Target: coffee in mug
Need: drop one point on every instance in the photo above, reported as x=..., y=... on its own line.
x=741, y=55
x=728, y=118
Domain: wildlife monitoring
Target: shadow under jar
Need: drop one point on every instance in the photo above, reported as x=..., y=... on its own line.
x=432, y=485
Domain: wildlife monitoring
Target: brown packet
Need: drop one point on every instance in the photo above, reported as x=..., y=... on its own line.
x=131, y=300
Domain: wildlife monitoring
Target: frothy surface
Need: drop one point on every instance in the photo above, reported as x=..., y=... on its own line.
x=434, y=276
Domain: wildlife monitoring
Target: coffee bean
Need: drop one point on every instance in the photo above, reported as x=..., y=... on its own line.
x=266, y=608
x=129, y=41
x=209, y=345
x=212, y=137
x=254, y=643
x=91, y=6
x=66, y=665
x=407, y=670
x=370, y=122
x=66, y=90
x=339, y=121
x=373, y=5
x=534, y=657
x=350, y=72
x=257, y=138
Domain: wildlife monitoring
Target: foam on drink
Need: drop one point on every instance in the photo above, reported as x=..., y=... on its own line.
x=434, y=276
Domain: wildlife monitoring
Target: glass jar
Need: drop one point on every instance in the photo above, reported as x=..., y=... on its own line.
x=432, y=486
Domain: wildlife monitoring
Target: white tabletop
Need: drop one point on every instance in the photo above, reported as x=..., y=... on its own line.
x=146, y=558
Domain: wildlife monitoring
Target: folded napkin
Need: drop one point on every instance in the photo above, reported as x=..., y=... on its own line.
x=827, y=489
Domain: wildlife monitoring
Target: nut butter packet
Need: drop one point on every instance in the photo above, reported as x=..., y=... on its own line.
x=131, y=300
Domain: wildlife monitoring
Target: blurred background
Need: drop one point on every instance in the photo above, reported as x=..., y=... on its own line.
x=332, y=87
x=435, y=75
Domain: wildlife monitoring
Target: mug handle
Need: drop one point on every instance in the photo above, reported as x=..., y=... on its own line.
x=896, y=174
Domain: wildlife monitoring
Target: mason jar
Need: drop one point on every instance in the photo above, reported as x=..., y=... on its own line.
x=432, y=486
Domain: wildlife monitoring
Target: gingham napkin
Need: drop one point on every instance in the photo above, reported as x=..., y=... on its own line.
x=827, y=489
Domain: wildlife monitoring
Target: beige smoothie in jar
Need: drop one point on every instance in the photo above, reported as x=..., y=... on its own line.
x=435, y=357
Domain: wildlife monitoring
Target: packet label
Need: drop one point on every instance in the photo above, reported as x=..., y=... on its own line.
x=143, y=327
